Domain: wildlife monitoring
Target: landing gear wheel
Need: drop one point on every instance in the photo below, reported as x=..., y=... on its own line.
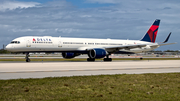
x=91, y=59
x=28, y=60
x=107, y=59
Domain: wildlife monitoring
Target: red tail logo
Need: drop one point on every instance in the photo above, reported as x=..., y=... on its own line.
x=151, y=34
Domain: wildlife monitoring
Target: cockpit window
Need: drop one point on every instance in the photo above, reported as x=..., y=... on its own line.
x=15, y=42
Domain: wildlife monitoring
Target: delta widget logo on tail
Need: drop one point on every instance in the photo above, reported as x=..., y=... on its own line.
x=152, y=32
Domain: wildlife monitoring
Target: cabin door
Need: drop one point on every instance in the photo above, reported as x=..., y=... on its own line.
x=28, y=43
x=59, y=44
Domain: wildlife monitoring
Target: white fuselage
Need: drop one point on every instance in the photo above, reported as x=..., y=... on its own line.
x=62, y=44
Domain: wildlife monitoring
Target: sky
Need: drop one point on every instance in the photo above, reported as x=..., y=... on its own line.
x=115, y=19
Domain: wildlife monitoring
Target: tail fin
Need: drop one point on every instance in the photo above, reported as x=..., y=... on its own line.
x=151, y=34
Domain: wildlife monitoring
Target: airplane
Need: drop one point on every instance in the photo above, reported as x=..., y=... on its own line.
x=94, y=48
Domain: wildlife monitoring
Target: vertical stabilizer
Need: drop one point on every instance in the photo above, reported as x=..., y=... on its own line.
x=151, y=34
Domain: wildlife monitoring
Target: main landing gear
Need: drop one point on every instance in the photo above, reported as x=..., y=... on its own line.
x=27, y=57
x=90, y=59
x=105, y=59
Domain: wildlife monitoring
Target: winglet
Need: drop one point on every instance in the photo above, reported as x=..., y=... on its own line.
x=167, y=38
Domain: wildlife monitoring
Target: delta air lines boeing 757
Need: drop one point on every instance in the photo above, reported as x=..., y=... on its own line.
x=94, y=48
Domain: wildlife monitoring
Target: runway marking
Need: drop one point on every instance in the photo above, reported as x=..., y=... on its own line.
x=89, y=70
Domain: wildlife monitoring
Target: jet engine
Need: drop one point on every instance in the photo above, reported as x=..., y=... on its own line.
x=97, y=53
x=69, y=55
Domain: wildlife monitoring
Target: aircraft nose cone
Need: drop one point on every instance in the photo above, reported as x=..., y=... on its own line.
x=8, y=47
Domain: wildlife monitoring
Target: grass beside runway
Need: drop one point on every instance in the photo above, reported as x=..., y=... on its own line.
x=124, y=87
x=84, y=59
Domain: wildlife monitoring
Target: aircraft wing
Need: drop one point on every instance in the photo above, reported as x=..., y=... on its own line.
x=162, y=44
x=127, y=47
x=115, y=47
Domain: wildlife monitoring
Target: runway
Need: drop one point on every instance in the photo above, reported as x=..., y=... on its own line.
x=12, y=70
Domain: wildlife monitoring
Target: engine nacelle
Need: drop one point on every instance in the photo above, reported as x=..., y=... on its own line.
x=68, y=55
x=97, y=53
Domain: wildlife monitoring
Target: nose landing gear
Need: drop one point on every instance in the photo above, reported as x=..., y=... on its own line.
x=27, y=57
